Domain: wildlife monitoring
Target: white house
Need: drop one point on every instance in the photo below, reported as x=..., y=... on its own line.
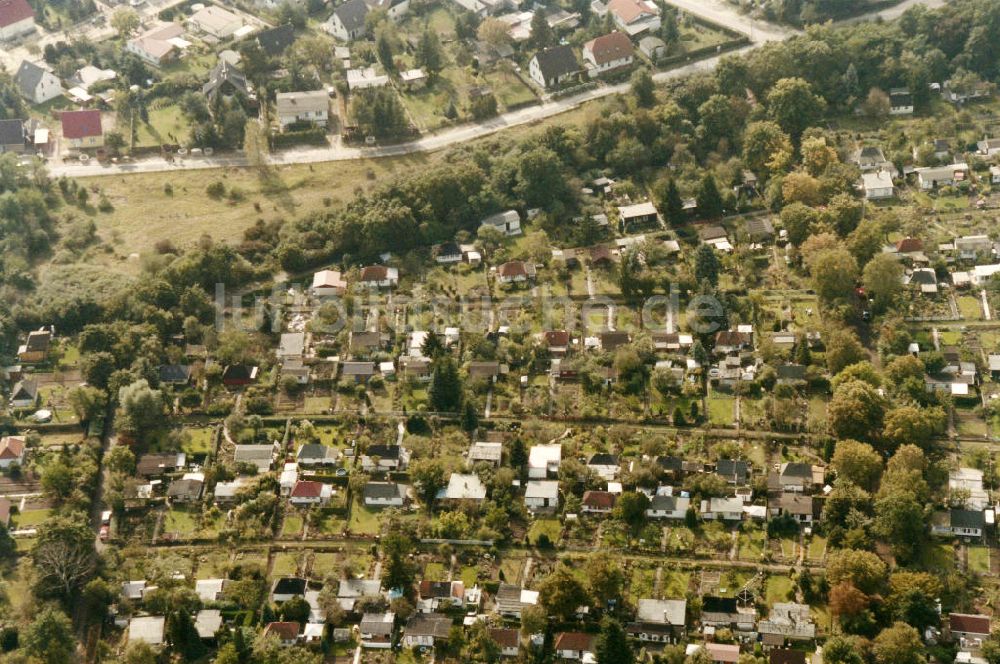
x=17, y=19
x=159, y=45
x=932, y=177
x=463, y=487
x=37, y=84
x=635, y=16
x=544, y=460
x=541, y=495
x=347, y=22
x=308, y=492
x=11, y=451
x=364, y=79
x=552, y=67
x=327, y=283
x=147, y=629
x=379, y=276
x=608, y=53
x=722, y=509
x=508, y=222
x=606, y=466
x=877, y=185
x=216, y=21
x=668, y=507
x=383, y=494
x=312, y=107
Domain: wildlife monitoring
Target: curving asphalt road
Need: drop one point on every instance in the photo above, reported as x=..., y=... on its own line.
x=717, y=11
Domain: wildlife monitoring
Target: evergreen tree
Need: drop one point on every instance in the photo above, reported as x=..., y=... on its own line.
x=518, y=454
x=802, y=354
x=612, y=645
x=429, y=55
x=670, y=27
x=470, y=417
x=671, y=203
x=643, y=88
x=183, y=636
x=706, y=265
x=446, y=387
x=432, y=346
x=541, y=33
x=709, y=198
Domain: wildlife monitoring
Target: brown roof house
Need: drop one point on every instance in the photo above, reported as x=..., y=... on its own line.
x=82, y=129
x=515, y=272
x=598, y=502
x=970, y=630
x=608, y=53
x=36, y=347
x=11, y=451
x=379, y=276
x=574, y=645
x=17, y=19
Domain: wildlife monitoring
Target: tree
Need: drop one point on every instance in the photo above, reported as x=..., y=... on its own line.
x=643, y=88
x=446, y=387
x=183, y=636
x=841, y=650
x=125, y=21
x=842, y=349
x=899, y=644
x=709, y=199
x=428, y=475
x=631, y=508
x=883, y=280
x=470, y=416
x=798, y=219
x=97, y=368
x=561, y=593
x=910, y=424
x=876, y=104
x=856, y=411
x=50, y=638
x=706, y=265
x=295, y=610
x=862, y=569
x=612, y=645
x=669, y=27
x=64, y=556
x=799, y=187
x=480, y=646
x=767, y=149
x=383, y=47
x=793, y=105
x=494, y=32
x=916, y=608
x=817, y=155
x=847, y=601
x=429, y=54
x=605, y=578
x=88, y=402
x=141, y=408
x=857, y=462
x=670, y=202
x=899, y=520
x=541, y=32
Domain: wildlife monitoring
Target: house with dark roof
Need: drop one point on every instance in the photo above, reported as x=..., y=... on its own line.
x=37, y=84
x=959, y=523
x=384, y=457
x=377, y=630
x=17, y=19
x=35, y=347
x=605, y=466
x=236, y=375
x=608, y=53
x=514, y=272
x=786, y=656
x=735, y=471
x=185, y=491
x=287, y=587
x=557, y=342
x=24, y=394
x=12, y=136
x=759, y=229
x=663, y=506
x=725, y=612
x=791, y=374
x=359, y=372
x=287, y=633
x=157, y=465
x=900, y=101
x=552, y=67
x=612, y=340
x=174, y=374
x=315, y=454
x=275, y=41
x=348, y=21
x=226, y=80
x=82, y=130
x=425, y=630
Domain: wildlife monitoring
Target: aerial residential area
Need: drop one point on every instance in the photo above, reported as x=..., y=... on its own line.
x=638, y=331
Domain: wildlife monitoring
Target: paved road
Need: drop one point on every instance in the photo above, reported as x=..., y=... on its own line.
x=719, y=11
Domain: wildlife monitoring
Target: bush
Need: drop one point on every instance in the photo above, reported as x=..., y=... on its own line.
x=216, y=190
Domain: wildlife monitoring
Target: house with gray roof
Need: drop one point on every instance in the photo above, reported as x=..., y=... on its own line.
x=659, y=620
x=37, y=84
x=348, y=21
x=552, y=67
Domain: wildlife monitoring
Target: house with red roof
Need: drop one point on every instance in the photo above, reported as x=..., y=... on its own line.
x=598, y=502
x=11, y=451
x=82, y=129
x=17, y=19
x=635, y=16
x=308, y=492
x=608, y=52
x=508, y=639
x=287, y=633
x=969, y=629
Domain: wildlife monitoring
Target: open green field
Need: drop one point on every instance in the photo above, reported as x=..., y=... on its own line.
x=551, y=528
x=166, y=125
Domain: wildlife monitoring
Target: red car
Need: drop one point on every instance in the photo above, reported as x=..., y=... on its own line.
x=104, y=533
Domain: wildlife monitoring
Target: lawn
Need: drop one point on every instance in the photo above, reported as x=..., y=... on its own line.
x=721, y=409
x=435, y=572
x=752, y=545
x=970, y=307
x=674, y=583
x=29, y=519
x=979, y=559
x=951, y=203
x=180, y=521
x=470, y=576
x=551, y=528
x=285, y=564
x=817, y=548
x=197, y=442
x=779, y=589
x=292, y=525
x=167, y=125
x=144, y=213
x=363, y=521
